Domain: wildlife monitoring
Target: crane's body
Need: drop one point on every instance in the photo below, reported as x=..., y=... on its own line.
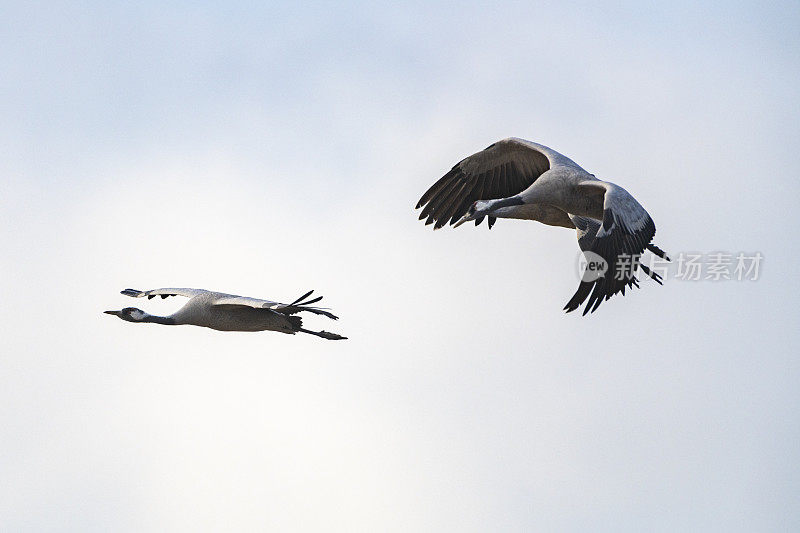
x=515, y=178
x=229, y=312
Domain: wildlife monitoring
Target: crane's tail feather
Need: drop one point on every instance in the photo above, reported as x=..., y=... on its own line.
x=295, y=321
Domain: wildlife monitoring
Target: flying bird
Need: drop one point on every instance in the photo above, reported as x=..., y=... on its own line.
x=228, y=312
x=515, y=178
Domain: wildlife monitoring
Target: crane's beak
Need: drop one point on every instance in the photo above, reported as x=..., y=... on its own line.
x=115, y=313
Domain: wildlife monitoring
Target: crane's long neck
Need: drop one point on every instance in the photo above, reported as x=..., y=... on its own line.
x=494, y=205
x=155, y=319
x=503, y=207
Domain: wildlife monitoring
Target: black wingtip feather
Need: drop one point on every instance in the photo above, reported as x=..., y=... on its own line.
x=658, y=251
x=132, y=292
x=480, y=178
x=579, y=297
x=655, y=277
x=303, y=297
x=618, y=241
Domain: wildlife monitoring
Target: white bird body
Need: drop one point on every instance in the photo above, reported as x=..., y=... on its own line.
x=515, y=178
x=203, y=310
x=229, y=312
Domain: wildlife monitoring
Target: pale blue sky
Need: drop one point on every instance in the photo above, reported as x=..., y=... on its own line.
x=267, y=149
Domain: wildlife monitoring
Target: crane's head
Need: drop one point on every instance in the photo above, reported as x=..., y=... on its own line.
x=131, y=314
x=476, y=210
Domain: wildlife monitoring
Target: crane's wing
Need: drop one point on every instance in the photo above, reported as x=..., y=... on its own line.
x=625, y=233
x=287, y=309
x=244, y=300
x=189, y=293
x=587, y=230
x=504, y=169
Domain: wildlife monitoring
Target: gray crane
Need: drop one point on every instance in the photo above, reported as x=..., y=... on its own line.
x=228, y=312
x=515, y=178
